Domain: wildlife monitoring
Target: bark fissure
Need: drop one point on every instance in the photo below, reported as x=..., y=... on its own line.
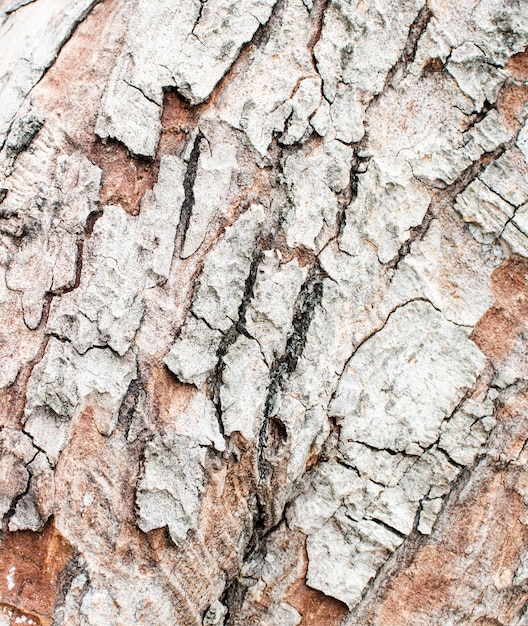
x=308, y=300
x=188, y=186
x=214, y=383
x=79, y=20
x=416, y=30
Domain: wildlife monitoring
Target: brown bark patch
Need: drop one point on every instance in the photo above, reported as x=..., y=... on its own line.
x=316, y=608
x=477, y=546
x=125, y=179
x=73, y=88
x=497, y=329
x=177, y=119
x=92, y=465
x=168, y=397
x=30, y=569
x=494, y=333
x=518, y=65
x=510, y=104
x=510, y=435
x=74, y=85
x=213, y=552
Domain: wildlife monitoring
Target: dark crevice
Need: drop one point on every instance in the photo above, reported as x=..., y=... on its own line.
x=478, y=117
x=88, y=230
x=14, y=502
x=188, y=187
x=450, y=193
x=449, y=458
x=309, y=298
x=66, y=578
x=141, y=92
x=129, y=405
x=416, y=30
x=235, y=591
x=358, y=166
x=374, y=449
x=199, y=16
x=214, y=382
x=36, y=446
x=447, y=196
x=388, y=527
x=419, y=511
x=259, y=40
x=341, y=461
x=264, y=31
x=416, y=233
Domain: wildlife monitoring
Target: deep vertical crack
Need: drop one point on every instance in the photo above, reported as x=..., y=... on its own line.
x=309, y=298
x=238, y=327
x=416, y=30
x=188, y=187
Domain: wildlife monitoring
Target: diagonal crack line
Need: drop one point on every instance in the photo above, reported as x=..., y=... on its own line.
x=260, y=38
x=147, y=97
x=188, y=187
x=68, y=35
x=449, y=195
x=379, y=328
x=452, y=191
x=199, y=16
x=508, y=222
x=309, y=298
x=214, y=382
x=18, y=5
x=416, y=233
x=416, y=30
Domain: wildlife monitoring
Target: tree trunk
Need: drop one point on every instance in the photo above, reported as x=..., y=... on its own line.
x=263, y=312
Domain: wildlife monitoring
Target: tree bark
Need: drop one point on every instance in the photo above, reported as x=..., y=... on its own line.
x=263, y=312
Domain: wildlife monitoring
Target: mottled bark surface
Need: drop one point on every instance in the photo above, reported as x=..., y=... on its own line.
x=263, y=339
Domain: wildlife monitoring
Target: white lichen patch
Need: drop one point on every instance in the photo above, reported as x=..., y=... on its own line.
x=394, y=404
x=48, y=218
x=169, y=492
x=124, y=256
x=64, y=383
x=406, y=379
x=190, y=47
x=389, y=203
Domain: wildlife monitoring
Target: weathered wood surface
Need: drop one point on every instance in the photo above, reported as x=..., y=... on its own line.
x=263, y=322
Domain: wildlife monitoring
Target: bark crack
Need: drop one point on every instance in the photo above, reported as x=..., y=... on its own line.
x=214, y=382
x=310, y=296
x=201, y=6
x=79, y=20
x=408, y=54
x=188, y=186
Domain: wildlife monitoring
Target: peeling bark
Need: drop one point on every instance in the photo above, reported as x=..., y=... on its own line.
x=263, y=312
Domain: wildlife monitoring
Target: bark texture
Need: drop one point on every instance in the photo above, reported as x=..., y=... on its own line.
x=264, y=317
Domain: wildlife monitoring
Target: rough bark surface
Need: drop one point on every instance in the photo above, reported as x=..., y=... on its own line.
x=264, y=312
